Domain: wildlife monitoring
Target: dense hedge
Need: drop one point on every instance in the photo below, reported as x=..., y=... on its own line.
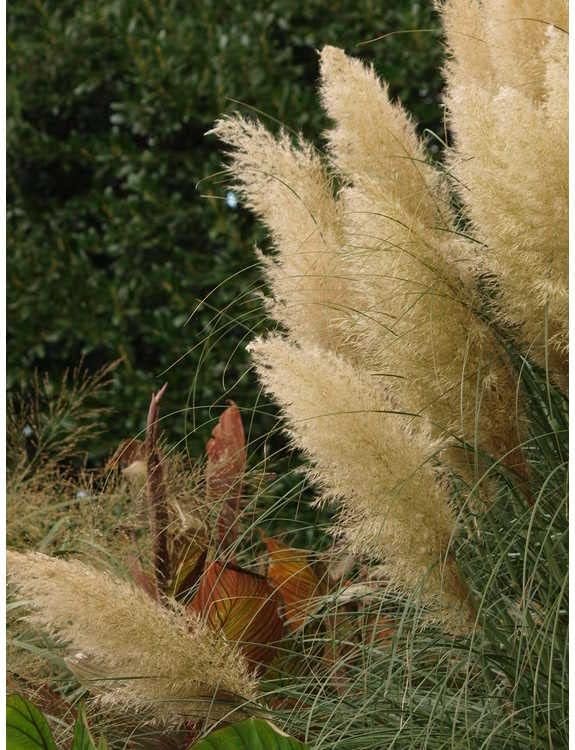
x=111, y=245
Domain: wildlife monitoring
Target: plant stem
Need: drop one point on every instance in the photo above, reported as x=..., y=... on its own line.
x=156, y=494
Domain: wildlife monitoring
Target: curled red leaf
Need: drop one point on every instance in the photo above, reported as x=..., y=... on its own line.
x=225, y=470
x=129, y=450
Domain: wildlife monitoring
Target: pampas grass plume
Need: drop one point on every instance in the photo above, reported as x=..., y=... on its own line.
x=510, y=161
x=139, y=655
x=421, y=325
x=287, y=186
x=364, y=456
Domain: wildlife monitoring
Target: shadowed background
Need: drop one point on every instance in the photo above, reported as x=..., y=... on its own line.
x=112, y=242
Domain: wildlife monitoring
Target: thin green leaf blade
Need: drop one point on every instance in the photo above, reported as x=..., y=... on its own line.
x=26, y=726
x=251, y=734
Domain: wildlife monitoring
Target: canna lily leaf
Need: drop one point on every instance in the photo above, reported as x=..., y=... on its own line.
x=83, y=739
x=251, y=734
x=142, y=579
x=26, y=726
x=189, y=562
x=295, y=579
x=226, y=451
x=127, y=452
x=27, y=729
x=244, y=606
x=130, y=457
x=225, y=469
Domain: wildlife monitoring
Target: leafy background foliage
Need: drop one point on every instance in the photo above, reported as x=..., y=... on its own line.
x=112, y=245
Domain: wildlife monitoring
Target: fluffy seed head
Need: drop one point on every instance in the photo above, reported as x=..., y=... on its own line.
x=510, y=163
x=367, y=459
x=419, y=300
x=287, y=186
x=136, y=653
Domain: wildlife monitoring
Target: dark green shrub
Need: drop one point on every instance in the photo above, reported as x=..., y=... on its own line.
x=112, y=247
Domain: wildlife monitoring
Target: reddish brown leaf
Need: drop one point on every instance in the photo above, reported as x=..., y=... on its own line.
x=293, y=576
x=142, y=579
x=244, y=606
x=131, y=458
x=225, y=469
x=188, y=560
x=226, y=451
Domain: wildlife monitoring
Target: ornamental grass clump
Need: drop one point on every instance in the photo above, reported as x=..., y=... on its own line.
x=164, y=629
x=394, y=506
x=418, y=356
x=406, y=293
x=420, y=328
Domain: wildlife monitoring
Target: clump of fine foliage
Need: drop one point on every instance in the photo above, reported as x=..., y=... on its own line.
x=420, y=361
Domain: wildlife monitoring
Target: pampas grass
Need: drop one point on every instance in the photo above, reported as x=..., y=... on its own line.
x=414, y=305
x=289, y=188
x=421, y=326
x=395, y=509
x=418, y=303
x=132, y=651
x=507, y=108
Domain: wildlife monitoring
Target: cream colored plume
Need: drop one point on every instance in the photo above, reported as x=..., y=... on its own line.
x=516, y=32
x=510, y=159
x=420, y=329
x=464, y=23
x=287, y=186
x=375, y=146
x=135, y=653
x=365, y=456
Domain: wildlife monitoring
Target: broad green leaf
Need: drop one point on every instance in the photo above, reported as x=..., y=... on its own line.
x=83, y=739
x=252, y=734
x=26, y=726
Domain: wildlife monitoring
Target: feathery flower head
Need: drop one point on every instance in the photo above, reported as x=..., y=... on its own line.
x=286, y=184
x=138, y=654
x=366, y=457
x=510, y=158
x=419, y=297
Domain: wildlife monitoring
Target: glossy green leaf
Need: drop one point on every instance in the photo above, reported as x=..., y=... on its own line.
x=252, y=734
x=26, y=726
x=83, y=739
